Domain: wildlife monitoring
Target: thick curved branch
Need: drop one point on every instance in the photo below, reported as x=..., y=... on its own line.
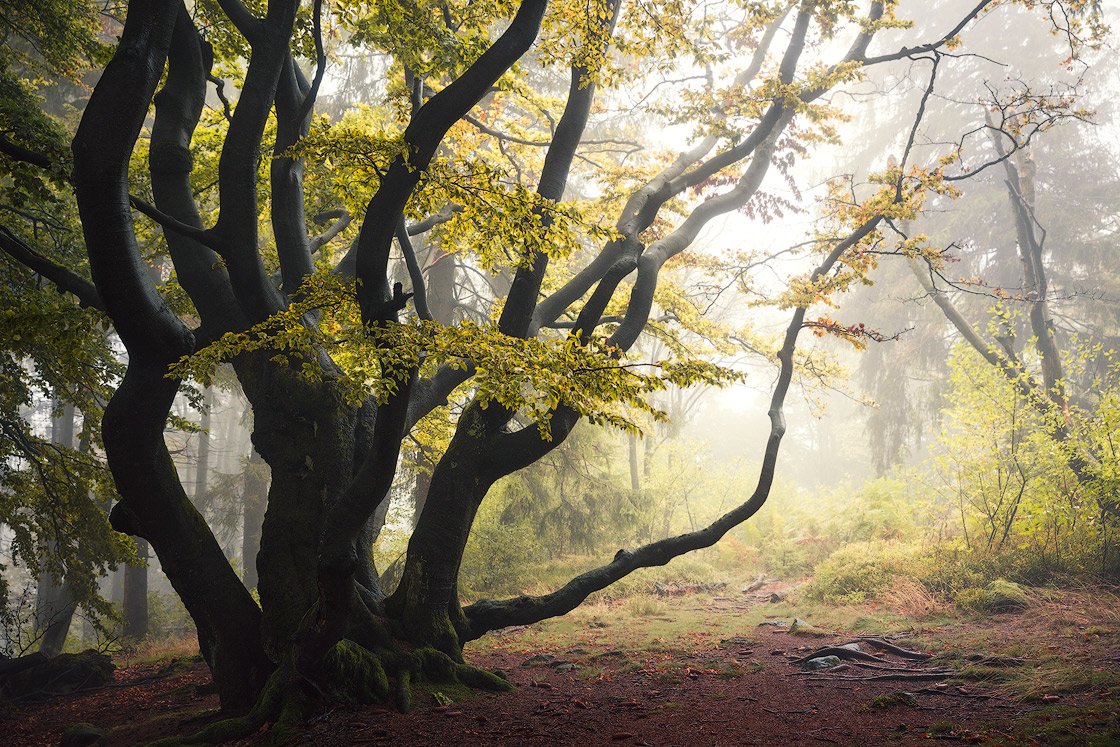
x=337, y=226
x=487, y=615
x=320, y=63
x=63, y=278
x=236, y=227
x=422, y=136
x=445, y=214
x=289, y=220
x=516, y=318
x=248, y=24
x=931, y=46
x=179, y=104
x=19, y=153
x=153, y=503
x=172, y=224
x=415, y=274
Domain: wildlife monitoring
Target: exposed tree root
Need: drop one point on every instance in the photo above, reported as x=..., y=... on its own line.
x=881, y=668
x=891, y=648
x=840, y=652
x=923, y=675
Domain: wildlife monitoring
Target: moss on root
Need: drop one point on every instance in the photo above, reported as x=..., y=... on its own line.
x=360, y=669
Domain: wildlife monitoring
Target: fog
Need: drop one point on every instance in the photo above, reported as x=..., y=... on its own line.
x=422, y=323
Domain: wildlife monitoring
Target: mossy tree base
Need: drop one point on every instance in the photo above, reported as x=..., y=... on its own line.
x=351, y=674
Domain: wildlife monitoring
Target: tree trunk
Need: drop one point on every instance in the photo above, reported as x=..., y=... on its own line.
x=202, y=465
x=423, y=484
x=54, y=603
x=54, y=610
x=426, y=600
x=153, y=503
x=306, y=433
x=135, y=602
x=255, y=500
x=635, y=480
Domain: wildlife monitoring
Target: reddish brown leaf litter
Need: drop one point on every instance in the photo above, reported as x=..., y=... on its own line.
x=701, y=698
x=144, y=703
x=741, y=690
x=713, y=697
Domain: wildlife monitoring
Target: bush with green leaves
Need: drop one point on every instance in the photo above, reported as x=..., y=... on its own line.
x=860, y=570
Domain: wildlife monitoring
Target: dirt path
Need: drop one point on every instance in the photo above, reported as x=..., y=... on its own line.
x=639, y=681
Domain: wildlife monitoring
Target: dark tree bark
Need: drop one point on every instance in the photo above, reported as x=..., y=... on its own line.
x=153, y=504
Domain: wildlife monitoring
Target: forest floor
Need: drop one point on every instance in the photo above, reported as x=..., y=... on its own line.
x=714, y=668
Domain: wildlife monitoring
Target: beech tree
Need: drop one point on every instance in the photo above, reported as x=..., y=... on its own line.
x=340, y=363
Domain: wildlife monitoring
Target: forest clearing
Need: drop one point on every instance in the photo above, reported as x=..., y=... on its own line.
x=716, y=668
x=559, y=371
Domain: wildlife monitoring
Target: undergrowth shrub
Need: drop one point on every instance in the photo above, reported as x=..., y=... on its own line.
x=168, y=619
x=998, y=596
x=858, y=571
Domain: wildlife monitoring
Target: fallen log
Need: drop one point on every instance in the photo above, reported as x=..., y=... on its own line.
x=11, y=666
x=58, y=675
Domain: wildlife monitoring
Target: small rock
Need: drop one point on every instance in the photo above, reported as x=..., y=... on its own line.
x=850, y=647
x=773, y=624
x=82, y=735
x=776, y=597
x=567, y=667
x=819, y=663
x=800, y=627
